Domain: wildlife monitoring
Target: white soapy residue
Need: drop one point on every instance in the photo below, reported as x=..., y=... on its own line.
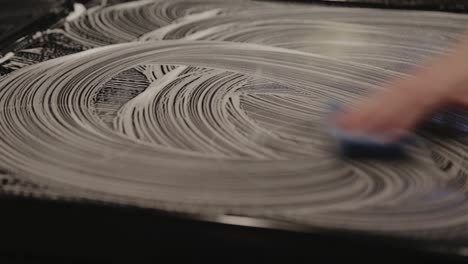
x=7, y=56
x=79, y=9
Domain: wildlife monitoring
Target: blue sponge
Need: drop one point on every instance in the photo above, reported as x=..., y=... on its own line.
x=352, y=146
x=361, y=146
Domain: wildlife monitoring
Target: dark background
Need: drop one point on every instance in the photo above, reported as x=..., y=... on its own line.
x=19, y=18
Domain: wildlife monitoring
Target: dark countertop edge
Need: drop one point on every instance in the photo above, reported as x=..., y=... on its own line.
x=130, y=223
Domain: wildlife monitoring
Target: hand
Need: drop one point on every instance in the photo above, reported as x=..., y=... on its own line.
x=405, y=103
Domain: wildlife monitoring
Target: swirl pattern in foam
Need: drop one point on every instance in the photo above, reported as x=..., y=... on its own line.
x=231, y=120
